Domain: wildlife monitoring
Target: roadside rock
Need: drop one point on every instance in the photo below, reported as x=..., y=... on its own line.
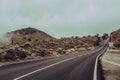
x=115, y=38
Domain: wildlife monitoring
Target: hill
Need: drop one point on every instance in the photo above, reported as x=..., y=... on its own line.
x=115, y=38
x=27, y=34
x=30, y=43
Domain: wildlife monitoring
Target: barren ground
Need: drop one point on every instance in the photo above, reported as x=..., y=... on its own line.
x=111, y=71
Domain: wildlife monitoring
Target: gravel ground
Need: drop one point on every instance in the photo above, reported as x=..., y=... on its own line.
x=111, y=71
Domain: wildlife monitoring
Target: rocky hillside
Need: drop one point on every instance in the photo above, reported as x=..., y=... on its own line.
x=30, y=43
x=28, y=34
x=115, y=37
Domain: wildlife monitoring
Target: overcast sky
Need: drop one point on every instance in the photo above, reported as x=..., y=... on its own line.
x=61, y=17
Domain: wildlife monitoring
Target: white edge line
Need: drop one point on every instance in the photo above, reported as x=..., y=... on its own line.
x=48, y=67
x=95, y=68
x=43, y=68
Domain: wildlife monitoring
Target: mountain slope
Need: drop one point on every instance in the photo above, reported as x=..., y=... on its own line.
x=28, y=34
x=115, y=37
x=30, y=43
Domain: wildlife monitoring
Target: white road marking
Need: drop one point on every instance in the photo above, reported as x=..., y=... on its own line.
x=49, y=66
x=111, y=62
x=95, y=69
x=43, y=68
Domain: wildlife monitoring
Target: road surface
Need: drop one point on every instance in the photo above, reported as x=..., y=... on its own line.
x=67, y=67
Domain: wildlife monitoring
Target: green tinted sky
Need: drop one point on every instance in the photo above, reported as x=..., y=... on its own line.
x=61, y=17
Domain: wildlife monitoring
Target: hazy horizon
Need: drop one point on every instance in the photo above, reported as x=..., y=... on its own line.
x=60, y=18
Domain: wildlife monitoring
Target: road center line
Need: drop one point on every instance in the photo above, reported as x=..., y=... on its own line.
x=25, y=75
x=44, y=68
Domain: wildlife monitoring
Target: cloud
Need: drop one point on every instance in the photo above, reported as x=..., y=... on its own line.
x=4, y=39
x=45, y=2
x=85, y=16
x=54, y=20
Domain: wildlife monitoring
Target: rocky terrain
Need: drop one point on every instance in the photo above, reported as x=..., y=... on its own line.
x=30, y=43
x=115, y=38
x=27, y=34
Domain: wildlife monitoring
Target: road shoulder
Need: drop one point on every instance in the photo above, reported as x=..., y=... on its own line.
x=111, y=64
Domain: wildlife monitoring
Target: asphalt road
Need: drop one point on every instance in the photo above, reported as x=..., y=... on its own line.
x=78, y=66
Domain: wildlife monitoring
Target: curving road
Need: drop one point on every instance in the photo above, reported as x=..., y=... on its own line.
x=78, y=66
